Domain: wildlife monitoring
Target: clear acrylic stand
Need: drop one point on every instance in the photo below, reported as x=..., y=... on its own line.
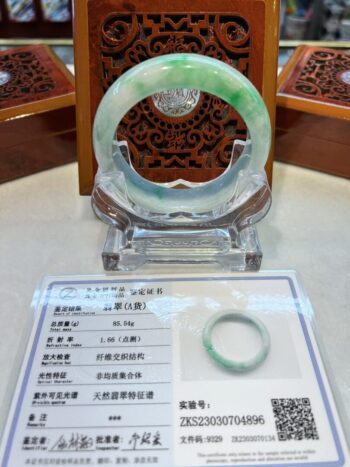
x=228, y=238
x=233, y=252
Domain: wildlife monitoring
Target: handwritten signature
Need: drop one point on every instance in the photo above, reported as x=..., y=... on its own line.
x=74, y=442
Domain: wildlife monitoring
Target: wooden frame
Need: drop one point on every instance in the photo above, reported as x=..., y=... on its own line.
x=37, y=112
x=52, y=101
x=297, y=102
x=87, y=163
x=312, y=125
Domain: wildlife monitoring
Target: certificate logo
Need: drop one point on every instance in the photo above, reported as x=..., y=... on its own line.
x=68, y=293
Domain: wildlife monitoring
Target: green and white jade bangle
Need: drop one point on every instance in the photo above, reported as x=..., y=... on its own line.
x=236, y=366
x=180, y=71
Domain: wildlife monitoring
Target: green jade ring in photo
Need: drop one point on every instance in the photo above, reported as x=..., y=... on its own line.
x=162, y=74
x=232, y=365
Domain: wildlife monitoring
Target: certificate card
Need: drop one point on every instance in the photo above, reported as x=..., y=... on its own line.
x=116, y=372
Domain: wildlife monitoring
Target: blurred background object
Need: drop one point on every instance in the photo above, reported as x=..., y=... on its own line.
x=50, y=22
x=326, y=20
x=35, y=18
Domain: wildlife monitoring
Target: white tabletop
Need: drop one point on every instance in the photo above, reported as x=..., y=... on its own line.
x=47, y=228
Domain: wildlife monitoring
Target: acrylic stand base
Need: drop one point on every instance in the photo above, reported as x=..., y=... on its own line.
x=129, y=249
x=227, y=236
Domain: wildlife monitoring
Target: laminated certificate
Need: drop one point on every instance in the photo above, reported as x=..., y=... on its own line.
x=169, y=371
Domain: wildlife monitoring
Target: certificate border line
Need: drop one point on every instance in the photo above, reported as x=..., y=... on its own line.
x=338, y=463
x=26, y=375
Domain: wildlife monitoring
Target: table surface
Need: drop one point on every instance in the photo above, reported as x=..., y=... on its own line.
x=47, y=228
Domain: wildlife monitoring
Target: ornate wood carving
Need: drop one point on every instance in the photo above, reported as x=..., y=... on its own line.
x=167, y=147
x=37, y=112
x=313, y=113
x=194, y=140
x=321, y=75
x=29, y=74
x=112, y=35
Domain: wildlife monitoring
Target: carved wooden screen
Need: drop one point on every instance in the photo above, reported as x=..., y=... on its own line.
x=320, y=75
x=30, y=74
x=313, y=113
x=195, y=142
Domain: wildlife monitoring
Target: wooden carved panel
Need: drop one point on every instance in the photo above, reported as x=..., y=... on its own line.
x=321, y=75
x=28, y=75
x=194, y=142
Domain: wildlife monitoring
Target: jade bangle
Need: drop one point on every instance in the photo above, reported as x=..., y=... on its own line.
x=169, y=72
x=232, y=365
